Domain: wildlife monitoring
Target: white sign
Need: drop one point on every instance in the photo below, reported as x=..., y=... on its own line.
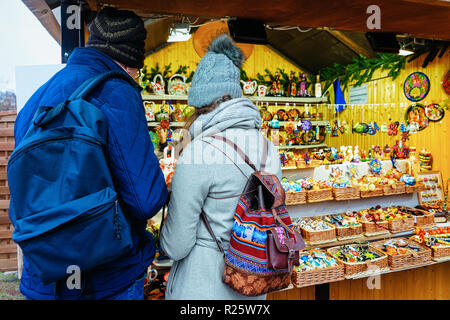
x=358, y=95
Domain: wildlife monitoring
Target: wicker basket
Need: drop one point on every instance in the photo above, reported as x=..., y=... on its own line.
x=418, y=187
x=421, y=217
x=315, y=163
x=319, y=195
x=301, y=164
x=441, y=252
x=295, y=197
x=427, y=220
x=347, y=193
x=400, y=225
x=289, y=164
x=370, y=228
x=407, y=260
x=349, y=232
x=396, y=188
x=322, y=236
x=312, y=277
x=358, y=267
x=378, y=192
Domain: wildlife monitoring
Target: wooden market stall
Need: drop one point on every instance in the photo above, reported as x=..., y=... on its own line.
x=312, y=37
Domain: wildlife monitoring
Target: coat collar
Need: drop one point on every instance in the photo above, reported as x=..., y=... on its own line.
x=98, y=61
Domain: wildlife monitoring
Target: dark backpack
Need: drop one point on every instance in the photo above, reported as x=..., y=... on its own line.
x=66, y=210
x=263, y=246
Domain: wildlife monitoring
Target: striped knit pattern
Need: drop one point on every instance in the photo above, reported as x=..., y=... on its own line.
x=248, y=241
x=120, y=34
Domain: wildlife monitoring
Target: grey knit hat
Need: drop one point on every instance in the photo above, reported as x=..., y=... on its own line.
x=120, y=34
x=217, y=74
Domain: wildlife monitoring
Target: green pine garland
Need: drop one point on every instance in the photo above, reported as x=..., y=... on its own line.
x=362, y=69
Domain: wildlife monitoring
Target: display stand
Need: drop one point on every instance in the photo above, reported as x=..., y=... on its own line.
x=333, y=206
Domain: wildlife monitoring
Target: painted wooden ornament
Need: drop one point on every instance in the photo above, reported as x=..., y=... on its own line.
x=416, y=86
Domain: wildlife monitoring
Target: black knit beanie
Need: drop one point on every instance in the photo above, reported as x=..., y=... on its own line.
x=120, y=34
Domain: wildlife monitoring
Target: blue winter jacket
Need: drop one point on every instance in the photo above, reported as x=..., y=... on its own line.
x=135, y=169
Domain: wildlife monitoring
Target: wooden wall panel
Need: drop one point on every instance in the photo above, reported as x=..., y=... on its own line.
x=307, y=293
x=426, y=283
x=183, y=53
x=177, y=53
x=384, y=92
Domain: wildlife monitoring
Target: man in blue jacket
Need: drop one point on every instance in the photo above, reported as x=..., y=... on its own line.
x=116, y=43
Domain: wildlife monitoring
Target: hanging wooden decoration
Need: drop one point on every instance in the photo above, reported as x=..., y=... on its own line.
x=446, y=82
x=416, y=86
x=416, y=114
x=434, y=112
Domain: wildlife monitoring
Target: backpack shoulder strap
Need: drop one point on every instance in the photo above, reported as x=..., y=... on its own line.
x=242, y=153
x=264, y=154
x=237, y=149
x=46, y=114
x=211, y=232
x=91, y=84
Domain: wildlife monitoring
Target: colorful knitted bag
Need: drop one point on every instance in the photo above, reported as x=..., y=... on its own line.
x=263, y=245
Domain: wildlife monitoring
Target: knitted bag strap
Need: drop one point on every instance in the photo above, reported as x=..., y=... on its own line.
x=238, y=151
x=243, y=155
x=211, y=232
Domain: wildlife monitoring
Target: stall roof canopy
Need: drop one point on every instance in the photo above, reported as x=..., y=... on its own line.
x=335, y=30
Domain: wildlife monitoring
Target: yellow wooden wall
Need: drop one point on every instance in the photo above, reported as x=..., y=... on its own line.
x=435, y=138
x=183, y=53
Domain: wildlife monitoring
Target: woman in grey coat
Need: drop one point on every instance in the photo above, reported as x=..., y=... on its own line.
x=205, y=178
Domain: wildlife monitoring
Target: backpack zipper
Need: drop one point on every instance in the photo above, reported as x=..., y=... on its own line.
x=19, y=152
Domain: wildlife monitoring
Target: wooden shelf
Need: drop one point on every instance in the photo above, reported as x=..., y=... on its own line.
x=380, y=272
x=155, y=97
x=173, y=124
x=309, y=146
x=369, y=238
x=289, y=168
x=337, y=201
x=282, y=123
x=297, y=168
x=313, y=122
x=288, y=99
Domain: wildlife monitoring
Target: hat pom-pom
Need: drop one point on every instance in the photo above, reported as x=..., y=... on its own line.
x=223, y=44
